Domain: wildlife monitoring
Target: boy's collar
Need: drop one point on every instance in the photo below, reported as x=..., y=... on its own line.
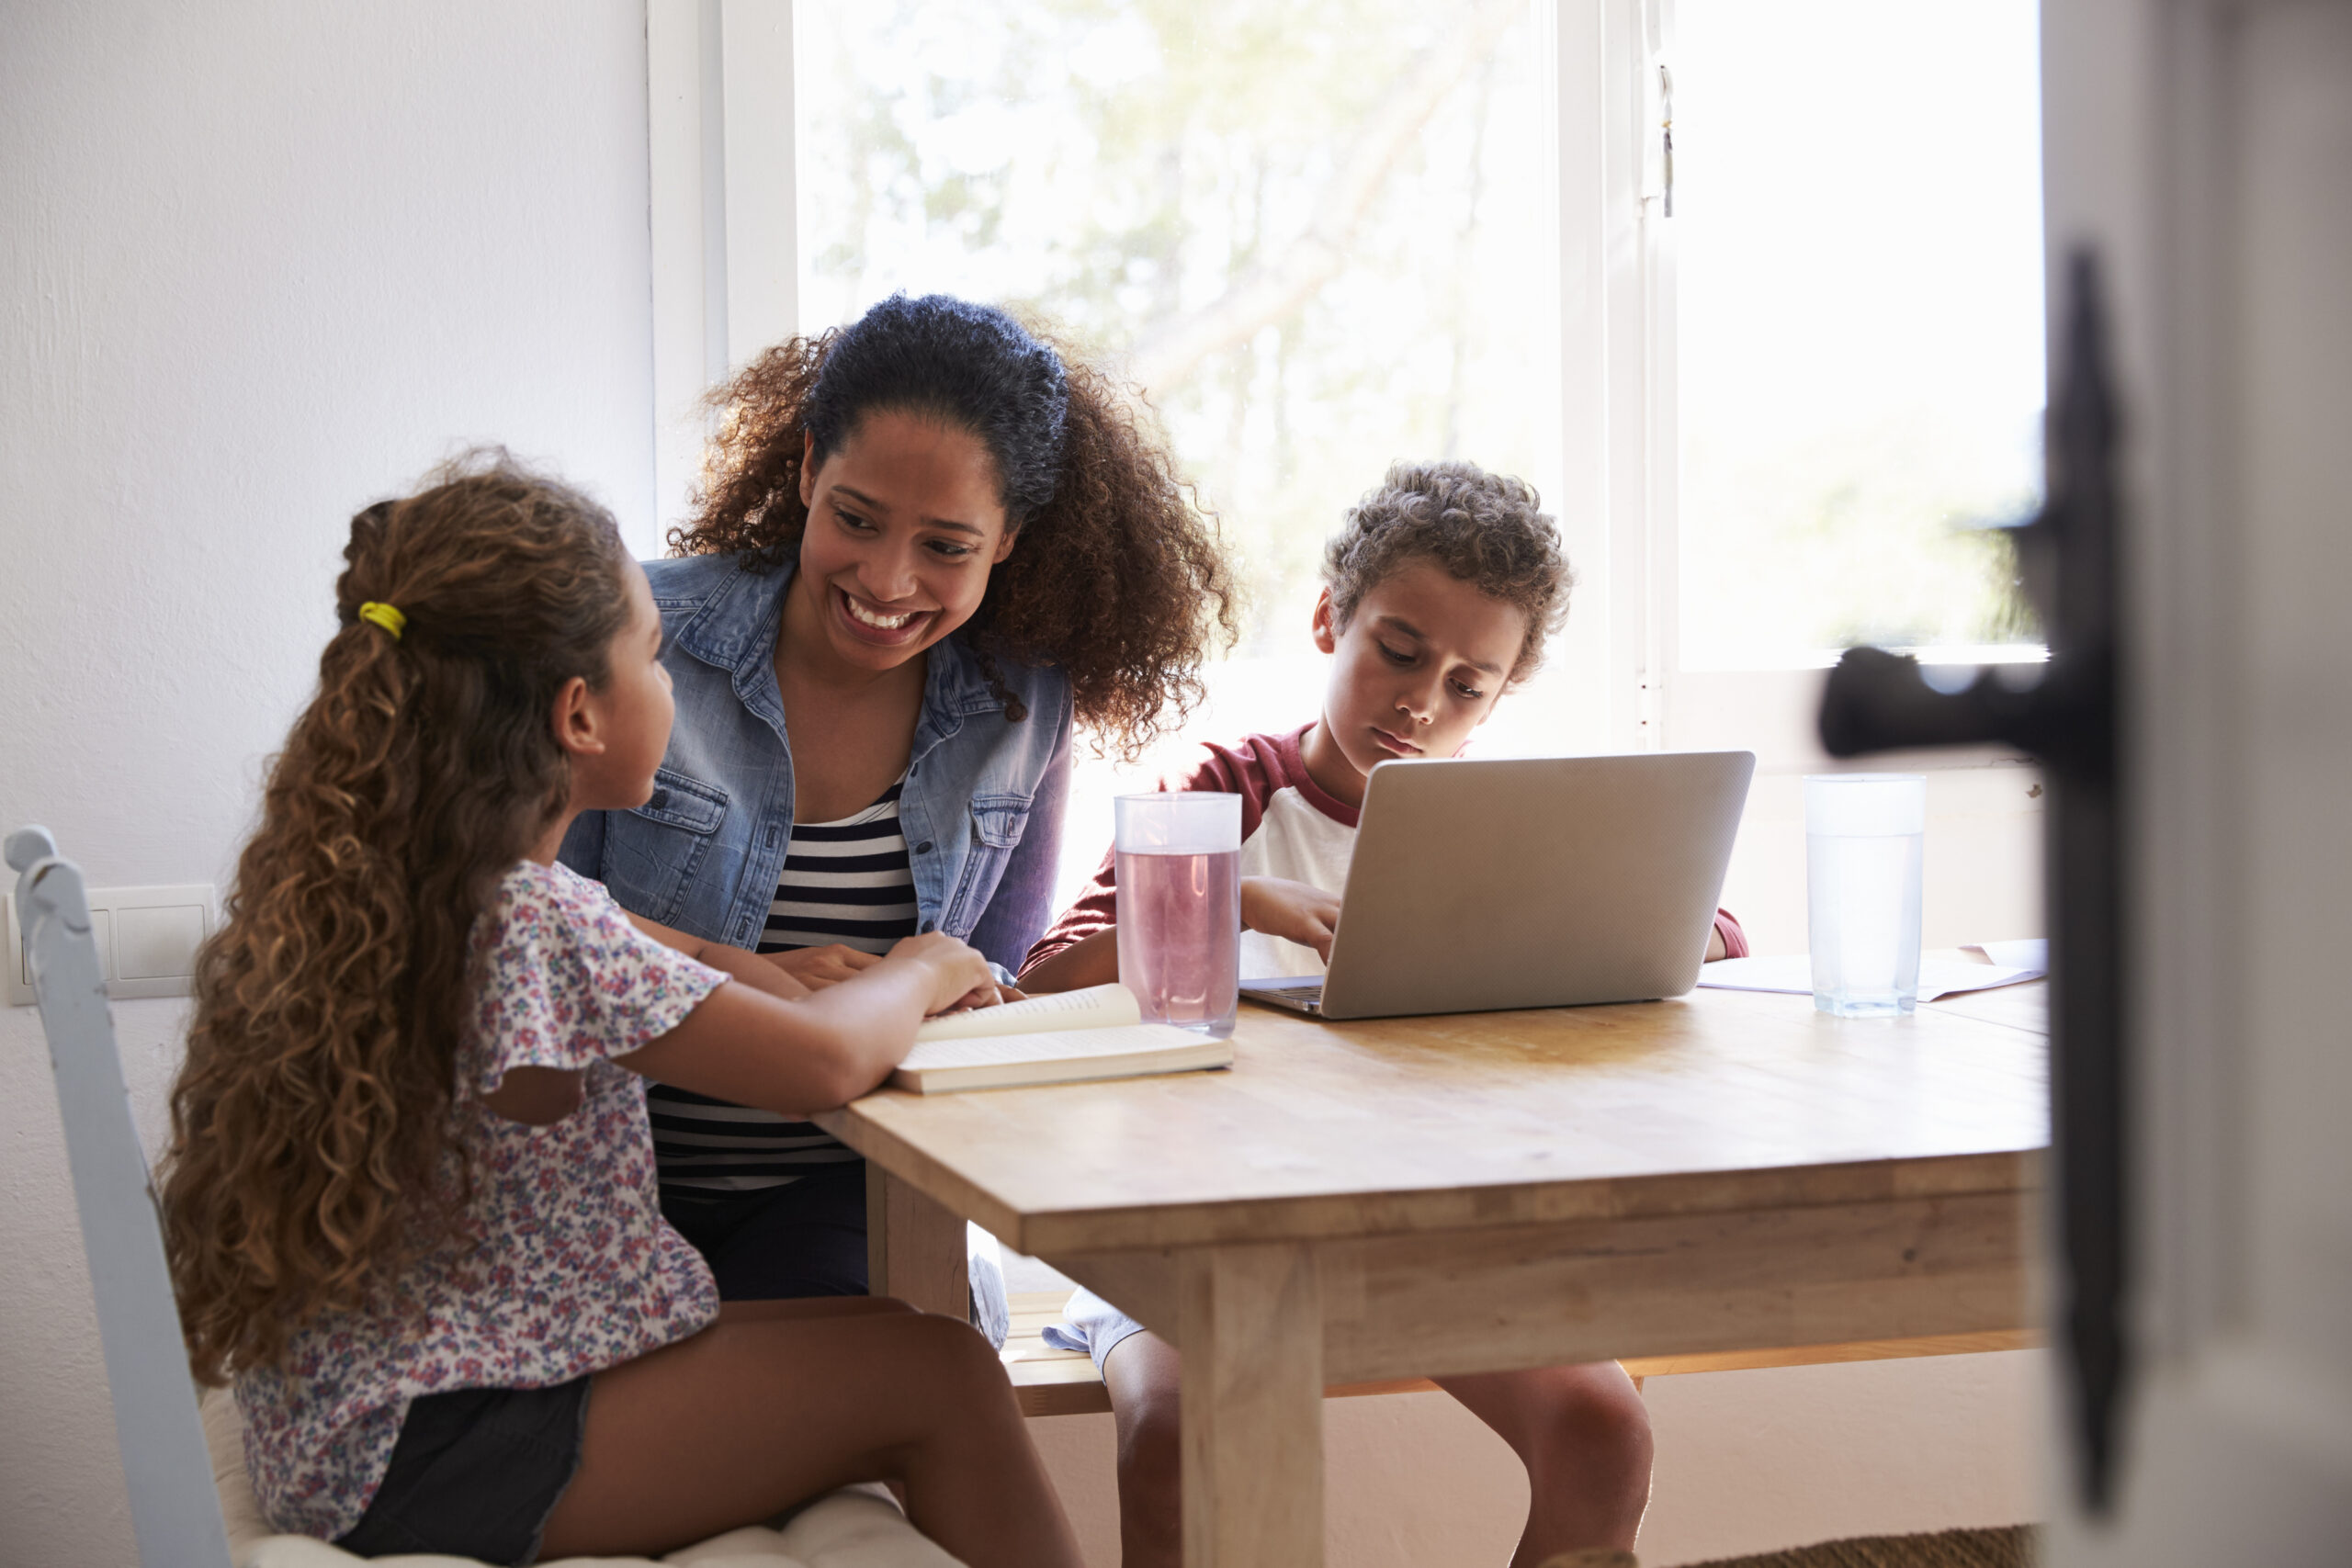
x=1295, y=763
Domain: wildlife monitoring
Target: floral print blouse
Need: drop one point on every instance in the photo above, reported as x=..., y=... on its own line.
x=575, y=1270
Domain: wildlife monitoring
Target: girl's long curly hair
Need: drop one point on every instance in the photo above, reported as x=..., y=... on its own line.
x=314, y=1154
x=1117, y=577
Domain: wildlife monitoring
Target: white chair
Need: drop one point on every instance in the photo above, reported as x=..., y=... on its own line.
x=191, y=1504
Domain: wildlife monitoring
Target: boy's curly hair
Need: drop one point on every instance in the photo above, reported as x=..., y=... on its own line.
x=1487, y=530
x=1118, y=579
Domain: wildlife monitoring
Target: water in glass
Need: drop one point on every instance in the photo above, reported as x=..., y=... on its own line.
x=1180, y=923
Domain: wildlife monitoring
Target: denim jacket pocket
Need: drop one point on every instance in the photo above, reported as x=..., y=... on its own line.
x=997, y=822
x=653, y=852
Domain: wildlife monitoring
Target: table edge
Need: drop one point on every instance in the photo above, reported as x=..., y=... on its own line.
x=1317, y=1216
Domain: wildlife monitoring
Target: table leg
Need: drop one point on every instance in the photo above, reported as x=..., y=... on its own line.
x=914, y=1247
x=1252, y=1388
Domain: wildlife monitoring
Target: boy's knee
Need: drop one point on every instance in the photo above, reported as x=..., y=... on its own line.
x=1151, y=1479
x=1599, y=1411
x=1143, y=1385
x=1151, y=1434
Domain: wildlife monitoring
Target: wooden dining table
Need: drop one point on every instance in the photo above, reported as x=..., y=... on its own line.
x=1412, y=1197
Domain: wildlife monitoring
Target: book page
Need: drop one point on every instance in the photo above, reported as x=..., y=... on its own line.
x=1057, y=1046
x=1096, y=1007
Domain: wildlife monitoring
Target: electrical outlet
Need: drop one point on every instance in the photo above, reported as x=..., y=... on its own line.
x=147, y=940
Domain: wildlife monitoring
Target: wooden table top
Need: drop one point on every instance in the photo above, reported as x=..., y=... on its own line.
x=1718, y=1100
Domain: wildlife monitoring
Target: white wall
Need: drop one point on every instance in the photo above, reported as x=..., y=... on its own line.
x=264, y=263
x=261, y=264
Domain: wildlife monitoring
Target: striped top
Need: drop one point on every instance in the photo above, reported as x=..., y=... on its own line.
x=846, y=882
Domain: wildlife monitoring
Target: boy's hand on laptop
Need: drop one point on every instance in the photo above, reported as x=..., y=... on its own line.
x=1291, y=910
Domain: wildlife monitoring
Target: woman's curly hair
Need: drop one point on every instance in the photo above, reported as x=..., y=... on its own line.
x=1488, y=530
x=313, y=1154
x=1118, y=579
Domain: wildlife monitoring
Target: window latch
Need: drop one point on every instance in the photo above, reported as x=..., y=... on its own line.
x=1666, y=134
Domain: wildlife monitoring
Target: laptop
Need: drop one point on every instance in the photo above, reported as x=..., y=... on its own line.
x=1535, y=882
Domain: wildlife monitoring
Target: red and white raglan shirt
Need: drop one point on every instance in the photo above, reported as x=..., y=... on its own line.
x=1291, y=828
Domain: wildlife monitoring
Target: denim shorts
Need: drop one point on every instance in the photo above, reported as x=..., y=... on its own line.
x=475, y=1474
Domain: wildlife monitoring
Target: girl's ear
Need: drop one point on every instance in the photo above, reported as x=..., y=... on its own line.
x=807, y=468
x=1326, y=629
x=576, y=729
x=1005, y=545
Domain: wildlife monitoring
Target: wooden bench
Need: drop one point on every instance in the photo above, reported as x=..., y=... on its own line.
x=1064, y=1382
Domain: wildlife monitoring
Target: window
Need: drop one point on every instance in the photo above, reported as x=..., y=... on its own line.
x=1314, y=233
x=1858, y=245
x=1328, y=234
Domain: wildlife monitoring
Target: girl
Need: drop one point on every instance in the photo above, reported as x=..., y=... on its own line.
x=410, y=1199
x=926, y=547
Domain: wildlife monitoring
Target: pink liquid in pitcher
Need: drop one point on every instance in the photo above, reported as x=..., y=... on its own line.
x=1180, y=927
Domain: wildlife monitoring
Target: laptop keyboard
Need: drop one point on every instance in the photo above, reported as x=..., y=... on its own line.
x=1309, y=998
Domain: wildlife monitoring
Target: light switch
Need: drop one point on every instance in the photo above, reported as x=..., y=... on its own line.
x=102, y=932
x=146, y=939
x=158, y=943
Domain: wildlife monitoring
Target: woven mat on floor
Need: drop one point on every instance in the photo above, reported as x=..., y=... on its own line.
x=2011, y=1547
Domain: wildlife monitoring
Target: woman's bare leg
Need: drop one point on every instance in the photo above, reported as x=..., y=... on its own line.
x=1584, y=1436
x=770, y=1406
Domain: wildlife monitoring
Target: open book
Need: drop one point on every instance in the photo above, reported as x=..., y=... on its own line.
x=1069, y=1037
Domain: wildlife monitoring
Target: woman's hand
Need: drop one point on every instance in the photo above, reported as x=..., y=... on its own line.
x=1291, y=910
x=988, y=995
x=817, y=967
x=957, y=972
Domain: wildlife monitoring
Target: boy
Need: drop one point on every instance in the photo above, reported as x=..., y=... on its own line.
x=1439, y=593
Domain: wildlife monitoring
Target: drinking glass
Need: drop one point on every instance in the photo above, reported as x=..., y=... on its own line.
x=1180, y=905
x=1865, y=838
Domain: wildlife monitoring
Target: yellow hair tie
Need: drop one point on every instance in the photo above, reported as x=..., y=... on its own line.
x=384, y=615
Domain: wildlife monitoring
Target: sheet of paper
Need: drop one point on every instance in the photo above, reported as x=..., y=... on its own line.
x=1096, y=1007
x=2029, y=953
x=1792, y=974
x=1059, y=1045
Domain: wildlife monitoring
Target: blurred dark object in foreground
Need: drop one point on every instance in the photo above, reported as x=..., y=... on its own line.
x=2064, y=713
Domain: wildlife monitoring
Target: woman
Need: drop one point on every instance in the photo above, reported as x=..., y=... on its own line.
x=927, y=547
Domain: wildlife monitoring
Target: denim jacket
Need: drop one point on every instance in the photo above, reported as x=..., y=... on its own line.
x=982, y=809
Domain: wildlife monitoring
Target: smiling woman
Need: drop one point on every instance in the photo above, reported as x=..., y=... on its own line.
x=927, y=548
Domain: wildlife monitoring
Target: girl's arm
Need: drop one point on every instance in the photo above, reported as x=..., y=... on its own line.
x=759, y=974
x=812, y=1054
x=540, y=1097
